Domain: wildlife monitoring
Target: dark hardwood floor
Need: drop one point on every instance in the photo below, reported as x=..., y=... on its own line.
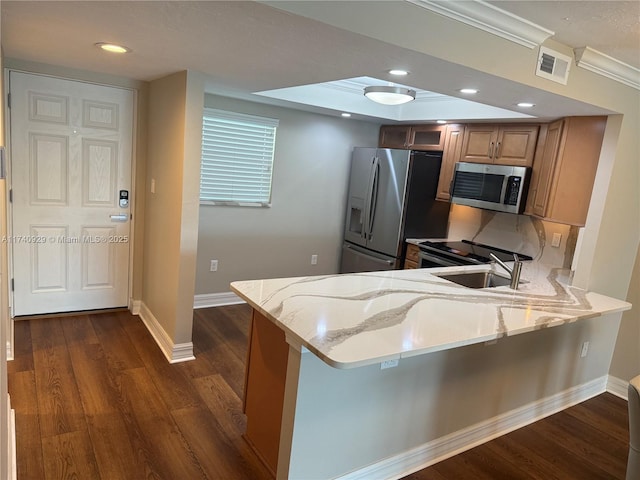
x=96, y=399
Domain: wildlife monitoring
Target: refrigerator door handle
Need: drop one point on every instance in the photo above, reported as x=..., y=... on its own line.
x=374, y=196
x=367, y=205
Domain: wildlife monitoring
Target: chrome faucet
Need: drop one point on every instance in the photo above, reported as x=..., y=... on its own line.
x=514, y=272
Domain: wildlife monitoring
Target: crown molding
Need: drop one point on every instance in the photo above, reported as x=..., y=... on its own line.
x=607, y=66
x=491, y=19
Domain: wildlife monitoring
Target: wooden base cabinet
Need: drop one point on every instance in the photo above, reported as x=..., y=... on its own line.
x=500, y=144
x=411, y=258
x=565, y=168
x=264, y=389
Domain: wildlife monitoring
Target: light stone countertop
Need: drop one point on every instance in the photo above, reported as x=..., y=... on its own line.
x=352, y=320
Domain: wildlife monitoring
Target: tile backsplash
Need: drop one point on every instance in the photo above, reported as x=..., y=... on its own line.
x=518, y=233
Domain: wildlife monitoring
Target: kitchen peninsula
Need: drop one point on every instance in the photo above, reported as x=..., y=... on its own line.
x=346, y=371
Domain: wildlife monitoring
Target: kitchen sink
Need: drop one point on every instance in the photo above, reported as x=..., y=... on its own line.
x=477, y=279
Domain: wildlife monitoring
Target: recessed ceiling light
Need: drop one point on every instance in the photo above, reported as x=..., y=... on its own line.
x=398, y=72
x=526, y=104
x=346, y=115
x=441, y=122
x=112, y=47
x=469, y=91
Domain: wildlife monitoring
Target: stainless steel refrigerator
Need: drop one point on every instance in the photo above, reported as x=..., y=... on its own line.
x=391, y=198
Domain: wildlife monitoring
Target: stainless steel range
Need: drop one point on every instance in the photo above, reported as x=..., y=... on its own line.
x=465, y=252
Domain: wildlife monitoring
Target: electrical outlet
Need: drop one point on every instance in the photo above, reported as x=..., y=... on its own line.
x=214, y=266
x=314, y=259
x=555, y=241
x=584, y=350
x=388, y=364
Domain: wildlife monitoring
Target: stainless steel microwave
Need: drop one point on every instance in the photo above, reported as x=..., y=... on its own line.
x=492, y=187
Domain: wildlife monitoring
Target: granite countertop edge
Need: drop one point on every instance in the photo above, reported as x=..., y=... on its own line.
x=354, y=320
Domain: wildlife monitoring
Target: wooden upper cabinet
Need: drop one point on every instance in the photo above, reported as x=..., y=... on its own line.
x=478, y=144
x=394, y=136
x=500, y=144
x=516, y=145
x=427, y=137
x=414, y=137
x=565, y=168
x=451, y=153
x=548, y=143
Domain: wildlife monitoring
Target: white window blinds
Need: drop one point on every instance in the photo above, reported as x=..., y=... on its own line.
x=237, y=158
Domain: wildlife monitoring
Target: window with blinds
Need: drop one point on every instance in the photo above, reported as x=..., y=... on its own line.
x=237, y=158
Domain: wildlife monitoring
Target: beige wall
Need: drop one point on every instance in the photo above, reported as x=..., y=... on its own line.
x=311, y=167
x=170, y=223
x=626, y=358
x=190, y=205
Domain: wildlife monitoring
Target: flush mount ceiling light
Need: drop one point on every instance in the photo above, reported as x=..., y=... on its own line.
x=389, y=95
x=526, y=105
x=400, y=73
x=112, y=47
x=468, y=91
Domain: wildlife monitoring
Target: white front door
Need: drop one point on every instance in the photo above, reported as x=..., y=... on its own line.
x=71, y=147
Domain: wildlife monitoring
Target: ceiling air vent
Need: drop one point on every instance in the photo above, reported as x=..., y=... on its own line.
x=553, y=65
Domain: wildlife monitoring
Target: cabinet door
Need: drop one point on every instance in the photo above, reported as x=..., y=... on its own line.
x=394, y=136
x=479, y=143
x=264, y=388
x=451, y=154
x=564, y=172
x=575, y=170
x=427, y=137
x=516, y=145
x=411, y=257
x=543, y=169
x=409, y=265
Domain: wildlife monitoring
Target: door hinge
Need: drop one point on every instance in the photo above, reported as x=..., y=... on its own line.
x=11, y=195
x=8, y=100
x=13, y=285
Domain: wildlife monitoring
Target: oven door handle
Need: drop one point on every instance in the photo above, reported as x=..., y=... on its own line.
x=438, y=260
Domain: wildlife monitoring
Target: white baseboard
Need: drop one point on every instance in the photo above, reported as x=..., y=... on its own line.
x=12, y=441
x=618, y=387
x=12, y=469
x=442, y=448
x=180, y=352
x=216, y=300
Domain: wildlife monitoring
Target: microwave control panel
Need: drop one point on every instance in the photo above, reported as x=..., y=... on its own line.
x=513, y=189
